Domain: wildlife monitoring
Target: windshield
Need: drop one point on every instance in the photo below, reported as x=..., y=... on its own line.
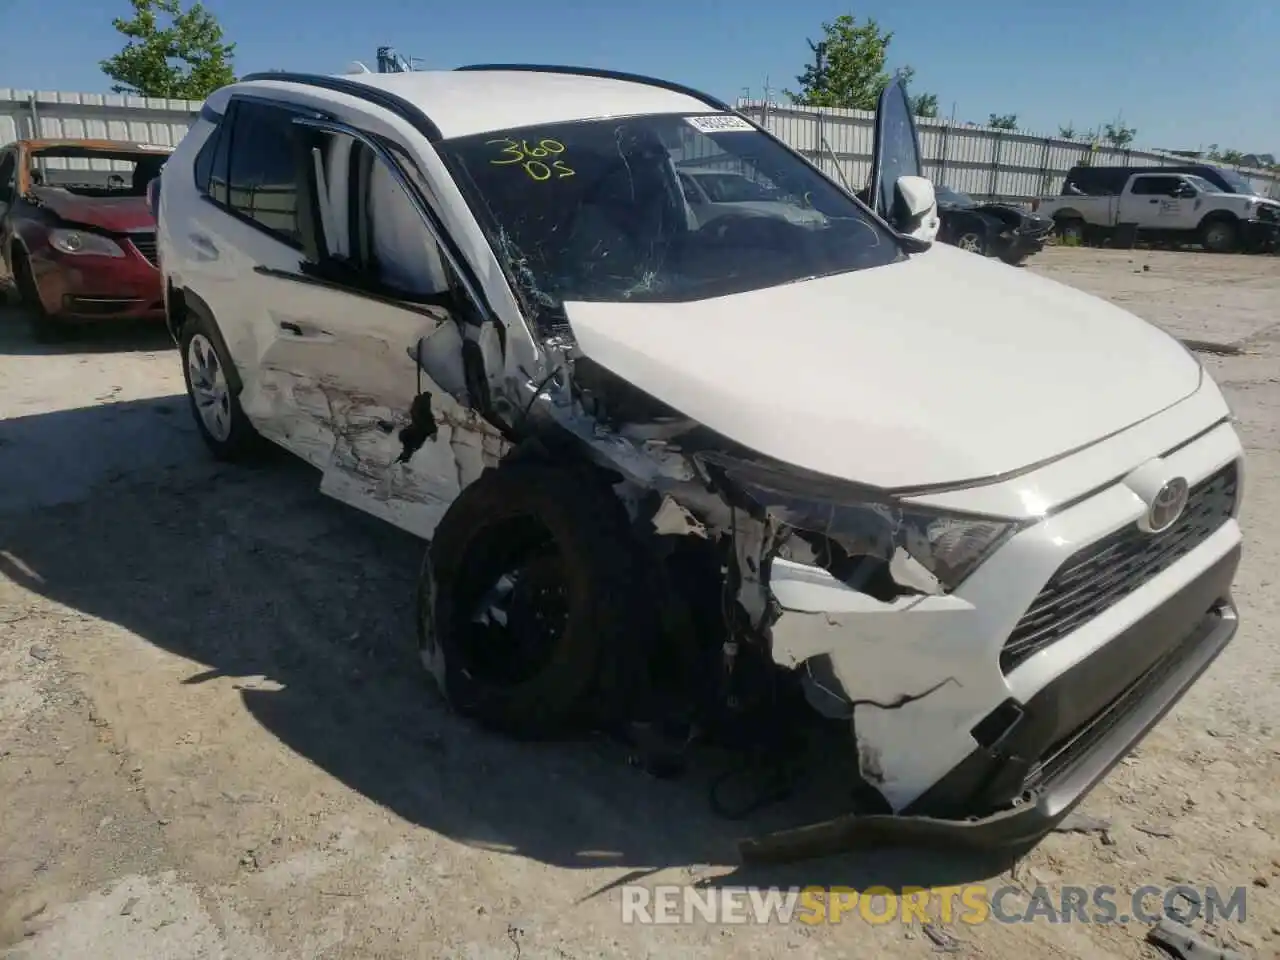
x=1237, y=183
x=96, y=171
x=595, y=210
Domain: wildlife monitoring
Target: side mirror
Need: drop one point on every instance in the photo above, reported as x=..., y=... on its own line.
x=153, y=197
x=919, y=202
x=1185, y=192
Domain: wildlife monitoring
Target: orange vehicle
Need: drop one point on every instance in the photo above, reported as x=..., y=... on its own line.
x=77, y=236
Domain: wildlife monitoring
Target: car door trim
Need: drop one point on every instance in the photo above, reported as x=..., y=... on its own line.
x=434, y=312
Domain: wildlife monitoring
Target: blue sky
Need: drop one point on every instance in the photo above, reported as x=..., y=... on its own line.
x=1184, y=74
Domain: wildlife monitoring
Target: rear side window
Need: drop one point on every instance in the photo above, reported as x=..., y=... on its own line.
x=262, y=169
x=249, y=165
x=209, y=160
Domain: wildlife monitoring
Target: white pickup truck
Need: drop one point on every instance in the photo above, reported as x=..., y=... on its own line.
x=1177, y=208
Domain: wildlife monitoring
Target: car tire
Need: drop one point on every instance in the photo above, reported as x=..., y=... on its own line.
x=1220, y=236
x=215, y=405
x=44, y=328
x=571, y=648
x=1071, y=231
x=972, y=241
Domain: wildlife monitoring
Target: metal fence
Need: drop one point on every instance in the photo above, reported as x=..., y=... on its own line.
x=981, y=161
x=28, y=113
x=978, y=160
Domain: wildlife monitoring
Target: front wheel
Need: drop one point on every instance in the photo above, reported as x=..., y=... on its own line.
x=1071, y=232
x=44, y=328
x=1220, y=236
x=216, y=408
x=533, y=615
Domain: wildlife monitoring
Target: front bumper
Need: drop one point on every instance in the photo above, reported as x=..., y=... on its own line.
x=87, y=287
x=1260, y=235
x=952, y=728
x=1100, y=744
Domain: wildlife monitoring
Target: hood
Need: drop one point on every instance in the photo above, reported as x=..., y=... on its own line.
x=118, y=214
x=943, y=368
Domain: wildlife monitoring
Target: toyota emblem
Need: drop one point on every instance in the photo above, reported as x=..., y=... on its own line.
x=1167, y=505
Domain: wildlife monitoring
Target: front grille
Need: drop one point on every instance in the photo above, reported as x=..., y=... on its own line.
x=1103, y=573
x=146, y=244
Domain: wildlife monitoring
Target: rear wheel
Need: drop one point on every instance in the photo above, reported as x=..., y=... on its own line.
x=533, y=616
x=1220, y=236
x=44, y=328
x=214, y=404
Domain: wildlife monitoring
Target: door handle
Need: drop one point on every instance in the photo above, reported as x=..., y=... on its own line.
x=1154, y=200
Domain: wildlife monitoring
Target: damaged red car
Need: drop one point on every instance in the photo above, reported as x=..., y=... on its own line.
x=77, y=235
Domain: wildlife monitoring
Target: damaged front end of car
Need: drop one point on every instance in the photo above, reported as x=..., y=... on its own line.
x=779, y=586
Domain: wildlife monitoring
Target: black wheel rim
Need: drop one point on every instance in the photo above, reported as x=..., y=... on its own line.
x=512, y=604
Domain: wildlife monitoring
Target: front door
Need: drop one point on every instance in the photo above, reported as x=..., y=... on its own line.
x=404, y=444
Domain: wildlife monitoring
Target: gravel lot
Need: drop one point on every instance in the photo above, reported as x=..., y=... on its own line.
x=214, y=741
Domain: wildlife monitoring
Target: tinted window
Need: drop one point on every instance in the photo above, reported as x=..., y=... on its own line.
x=594, y=210
x=262, y=170
x=1155, y=186
x=8, y=166
x=205, y=162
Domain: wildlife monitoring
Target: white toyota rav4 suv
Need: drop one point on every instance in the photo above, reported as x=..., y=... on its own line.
x=676, y=472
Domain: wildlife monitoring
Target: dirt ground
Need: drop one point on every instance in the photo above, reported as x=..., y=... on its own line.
x=214, y=741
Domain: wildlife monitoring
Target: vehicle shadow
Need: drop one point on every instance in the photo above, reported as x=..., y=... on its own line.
x=108, y=336
x=249, y=572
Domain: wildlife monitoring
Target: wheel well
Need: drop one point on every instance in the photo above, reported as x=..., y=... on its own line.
x=1219, y=216
x=182, y=306
x=1068, y=214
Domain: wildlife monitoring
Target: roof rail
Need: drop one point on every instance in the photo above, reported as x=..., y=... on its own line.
x=605, y=75
x=364, y=91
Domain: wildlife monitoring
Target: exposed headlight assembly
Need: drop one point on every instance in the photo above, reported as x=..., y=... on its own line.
x=871, y=542
x=75, y=242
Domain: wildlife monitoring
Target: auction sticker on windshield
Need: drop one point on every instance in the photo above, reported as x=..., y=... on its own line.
x=718, y=123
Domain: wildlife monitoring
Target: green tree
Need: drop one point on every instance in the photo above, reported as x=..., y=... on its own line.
x=1234, y=157
x=1003, y=121
x=1118, y=135
x=1068, y=131
x=848, y=69
x=187, y=59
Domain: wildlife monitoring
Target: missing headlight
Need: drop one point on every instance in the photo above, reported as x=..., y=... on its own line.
x=869, y=541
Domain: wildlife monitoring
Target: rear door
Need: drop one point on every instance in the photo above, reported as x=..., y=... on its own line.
x=246, y=229
x=896, y=151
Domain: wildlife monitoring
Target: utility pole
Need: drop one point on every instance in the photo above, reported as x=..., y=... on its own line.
x=820, y=78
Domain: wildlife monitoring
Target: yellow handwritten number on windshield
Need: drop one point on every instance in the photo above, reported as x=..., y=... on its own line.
x=531, y=158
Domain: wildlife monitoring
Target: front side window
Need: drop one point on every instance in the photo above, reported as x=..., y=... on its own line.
x=595, y=210
x=262, y=169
